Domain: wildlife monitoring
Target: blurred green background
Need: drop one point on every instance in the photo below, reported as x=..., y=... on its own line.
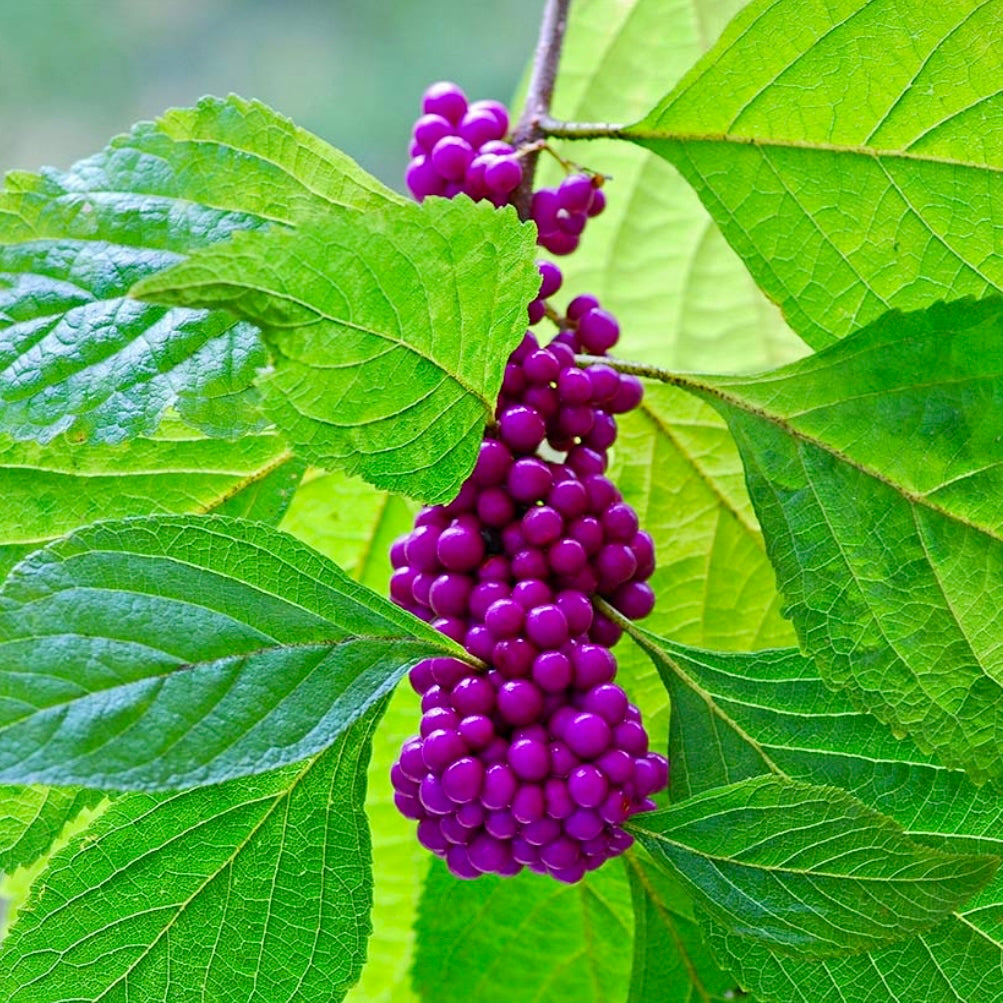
x=75, y=72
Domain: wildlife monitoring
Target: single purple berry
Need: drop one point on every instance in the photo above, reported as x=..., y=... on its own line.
x=583, y=824
x=441, y=748
x=547, y=626
x=462, y=781
x=588, y=735
x=528, y=804
x=446, y=99
x=587, y=786
x=552, y=671
x=608, y=701
x=513, y=657
x=529, y=480
x=460, y=548
x=635, y=600
x=522, y=428
x=499, y=787
x=529, y=759
x=473, y=695
x=519, y=702
x=439, y=718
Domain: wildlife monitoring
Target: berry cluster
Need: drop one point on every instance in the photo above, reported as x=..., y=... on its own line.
x=537, y=761
x=459, y=147
x=561, y=213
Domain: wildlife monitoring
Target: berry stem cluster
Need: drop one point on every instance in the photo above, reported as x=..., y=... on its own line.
x=537, y=761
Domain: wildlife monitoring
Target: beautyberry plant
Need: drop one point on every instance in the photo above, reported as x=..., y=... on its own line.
x=276, y=441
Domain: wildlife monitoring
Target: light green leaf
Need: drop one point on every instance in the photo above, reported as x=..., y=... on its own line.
x=672, y=963
x=76, y=354
x=496, y=940
x=875, y=467
x=51, y=490
x=390, y=331
x=354, y=524
x=165, y=652
x=807, y=870
x=849, y=151
x=678, y=466
x=255, y=891
x=654, y=257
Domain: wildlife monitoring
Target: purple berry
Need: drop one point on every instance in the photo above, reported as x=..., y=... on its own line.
x=588, y=735
x=529, y=759
x=519, y=702
x=522, y=428
x=446, y=99
x=547, y=626
x=499, y=787
x=462, y=781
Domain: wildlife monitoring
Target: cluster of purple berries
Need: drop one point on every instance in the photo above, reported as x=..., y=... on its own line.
x=539, y=760
x=457, y=147
x=460, y=148
x=561, y=213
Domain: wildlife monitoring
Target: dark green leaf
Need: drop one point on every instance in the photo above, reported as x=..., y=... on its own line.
x=76, y=354
x=737, y=715
x=875, y=468
x=672, y=963
x=255, y=891
x=390, y=331
x=807, y=870
x=165, y=652
x=849, y=151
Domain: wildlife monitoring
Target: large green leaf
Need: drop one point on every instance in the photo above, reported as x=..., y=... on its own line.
x=254, y=891
x=76, y=354
x=875, y=467
x=390, y=331
x=165, y=652
x=737, y=715
x=672, y=962
x=655, y=257
x=849, y=151
x=495, y=940
x=807, y=870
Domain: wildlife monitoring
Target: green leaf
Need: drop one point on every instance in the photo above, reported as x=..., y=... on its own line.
x=875, y=467
x=166, y=652
x=51, y=490
x=496, y=940
x=654, y=257
x=31, y=818
x=953, y=961
x=672, y=963
x=256, y=891
x=849, y=151
x=76, y=354
x=736, y=715
x=807, y=870
x=390, y=331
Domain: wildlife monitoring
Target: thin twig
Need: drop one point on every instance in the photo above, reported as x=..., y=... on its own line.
x=580, y=130
x=540, y=94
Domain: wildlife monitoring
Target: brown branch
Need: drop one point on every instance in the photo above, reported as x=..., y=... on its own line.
x=539, y=96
